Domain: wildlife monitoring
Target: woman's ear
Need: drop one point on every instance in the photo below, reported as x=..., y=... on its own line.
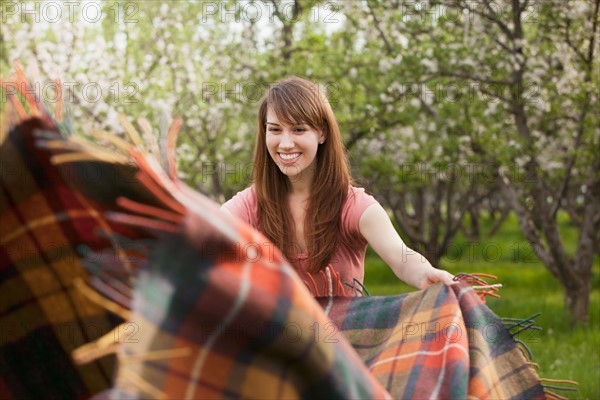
x=322, y=138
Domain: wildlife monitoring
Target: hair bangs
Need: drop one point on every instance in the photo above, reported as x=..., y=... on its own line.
x=296, y=104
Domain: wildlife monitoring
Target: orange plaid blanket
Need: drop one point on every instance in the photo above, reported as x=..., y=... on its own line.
x=194, y=304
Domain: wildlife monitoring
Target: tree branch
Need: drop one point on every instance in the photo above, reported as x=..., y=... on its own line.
x=478, y=79
x=403, y=220
x=387, y=44
x=528, y=227
x=570, y=43
x=583, y=114
x=503, y=27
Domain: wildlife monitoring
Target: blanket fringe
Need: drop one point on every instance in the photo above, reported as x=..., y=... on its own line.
x=102, y=301
x=482, y=287
x=516, y=326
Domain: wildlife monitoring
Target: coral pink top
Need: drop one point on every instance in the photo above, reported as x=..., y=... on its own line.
x=337, y=279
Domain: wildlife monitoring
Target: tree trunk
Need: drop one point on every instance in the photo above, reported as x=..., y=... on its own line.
x=474, y=217
x=577, y=301
x=499, y=222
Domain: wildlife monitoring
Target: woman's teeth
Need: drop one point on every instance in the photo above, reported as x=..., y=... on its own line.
x=289, y=156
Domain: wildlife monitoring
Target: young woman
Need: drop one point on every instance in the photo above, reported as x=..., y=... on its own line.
x=303, y=200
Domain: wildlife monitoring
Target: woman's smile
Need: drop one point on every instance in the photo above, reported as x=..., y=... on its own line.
x=288, y=158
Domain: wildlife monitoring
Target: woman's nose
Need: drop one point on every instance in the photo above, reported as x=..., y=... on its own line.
x=286, y=141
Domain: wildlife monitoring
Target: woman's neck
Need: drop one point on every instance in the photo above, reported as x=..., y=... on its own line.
x=301, y=184
x=300, y=189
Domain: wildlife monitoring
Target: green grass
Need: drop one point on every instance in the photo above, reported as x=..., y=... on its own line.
x=562, y=350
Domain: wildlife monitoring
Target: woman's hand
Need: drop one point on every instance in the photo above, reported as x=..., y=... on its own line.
x=431, y=276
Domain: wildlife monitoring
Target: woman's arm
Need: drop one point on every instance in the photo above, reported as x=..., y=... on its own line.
x=407, y=264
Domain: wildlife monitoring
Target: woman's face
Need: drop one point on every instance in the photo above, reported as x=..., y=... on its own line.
x=293, y=148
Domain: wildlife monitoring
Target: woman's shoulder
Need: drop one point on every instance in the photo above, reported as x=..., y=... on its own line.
x=248, y=193
x=243, y=204
x=356, y=193
x=358, y=200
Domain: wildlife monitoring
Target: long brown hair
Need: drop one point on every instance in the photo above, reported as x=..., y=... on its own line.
x=296, y=100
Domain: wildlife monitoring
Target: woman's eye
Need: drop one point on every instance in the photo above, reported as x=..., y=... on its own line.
x=299, y=129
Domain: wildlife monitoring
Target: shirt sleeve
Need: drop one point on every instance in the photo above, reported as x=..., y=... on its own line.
x=244, y=206
x=356, y=204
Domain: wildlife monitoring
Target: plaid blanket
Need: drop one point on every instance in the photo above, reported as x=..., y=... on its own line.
x=250, y=330
x=211, y=309
x=43, y=318
x=50, y=234
x=443, y=342
x=225, y=325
